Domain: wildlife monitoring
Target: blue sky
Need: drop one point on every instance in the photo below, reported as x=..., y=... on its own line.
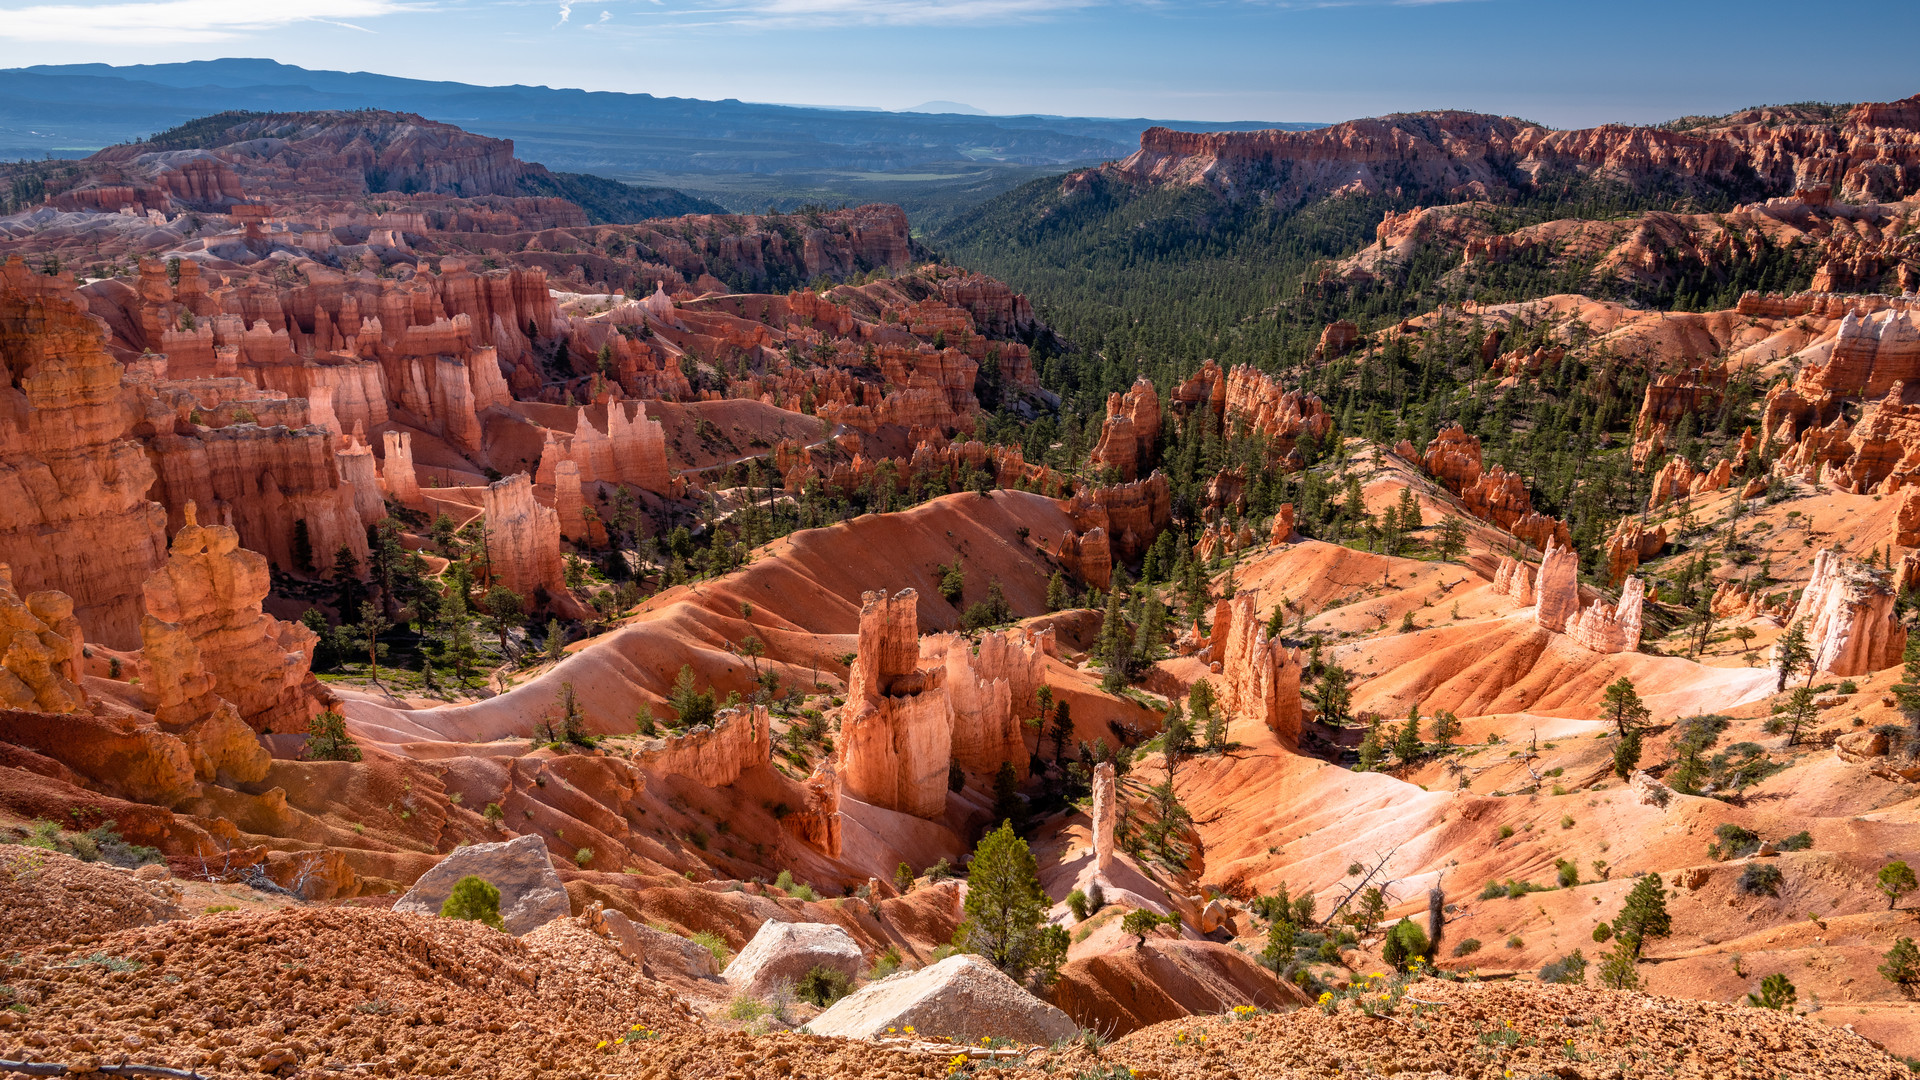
x=1565, y=64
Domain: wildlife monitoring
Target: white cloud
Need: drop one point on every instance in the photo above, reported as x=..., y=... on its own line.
x=566, y=12
x=177, y=21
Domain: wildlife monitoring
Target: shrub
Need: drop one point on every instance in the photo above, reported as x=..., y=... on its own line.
x=1140, y=922
x=1506, y=832
x=747, y=1009
x=1902, y=967
x=903, y=876
x=1567, y=873
x=1514, y=942
x=1405, y=943
x=327, y=739
x=1775, y=993
x=1760, y=879
x=1734, y=842
x=714, y=944
x=784, y=881
x=823, y=986
x=1468, y=947
x=474, y=899
x=1569, y=970
x=886, y=963
x=1603, y=932
x=494, y=813
x=940, y=871
x=1077, y=903
x=582, y=857
x=1799, y=841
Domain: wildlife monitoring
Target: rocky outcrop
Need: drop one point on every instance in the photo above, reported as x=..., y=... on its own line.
x=781, y=954
x=207, y=600
x=1631, y=542
x=531, y=894
x=1336, y=340
x=1282, y=416
x=1131, y=515
x=74, y=515
x=1514, y=578
x=1131, y=431
x=39, y=665
x=396, y=469
x=963, y=998
x=1557, y=588
x=1611, y=628
x=715, y=755
x=1283, y=524
x=1848, y=612
x=817, y=824
x=523, y=539
x=1453, y=156
x=362, y=478
x=1453, y=458
x=896, y=730
x=992, y=693
x=658, y=951
x=1088, y=555
x=1106, y=814
x=1259, y=678
x=1678, y=479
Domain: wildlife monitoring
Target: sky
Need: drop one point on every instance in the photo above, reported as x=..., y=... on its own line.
x=1560, y=63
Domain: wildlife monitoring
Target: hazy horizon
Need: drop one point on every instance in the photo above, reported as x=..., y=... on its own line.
x=1231, y=60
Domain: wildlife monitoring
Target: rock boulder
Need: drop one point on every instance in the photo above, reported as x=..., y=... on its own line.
x=784, y=952
x=963, y=997
x=531, y=894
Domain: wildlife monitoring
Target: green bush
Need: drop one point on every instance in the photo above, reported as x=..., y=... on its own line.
x=1405, y=943
x=474, y=899
x=1467, y=947
x=1569, y=970
x=822, y=986
x=327, y=739
x=1760, y=879
x=714, y=944
x=1077, y=903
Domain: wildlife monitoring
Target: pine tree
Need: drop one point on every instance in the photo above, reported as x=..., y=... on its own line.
x=1407, y=746
x=1446, y=728
x=327, y=740
x=1452, y=542
x=1643, y=915
x=1792, y=654
x=1059, y=594
x=1006, y=912
x=1896, y=879
x=1621, y=706
x=1062, y=732
x=1626, y=755
x=1370, y=748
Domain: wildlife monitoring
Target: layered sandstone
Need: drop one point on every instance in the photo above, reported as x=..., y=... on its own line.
x=896, y=730
x=74, y=514
x=1848, y=612
x=523, y=539
x=1131, y=431
x=1557, y=588
x=1515, y=578
x=1106, y=813
x=39, y=665
x=1283, y=416
x=1630, y=543
x=818, y=823
x=396, y=469
x=1453, y=458
x=1611, y=628
x=1259, y=678
x=1131, y=515
x=738, y=740
x=210, y=593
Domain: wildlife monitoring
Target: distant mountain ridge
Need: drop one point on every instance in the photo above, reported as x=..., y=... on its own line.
x=68, y=110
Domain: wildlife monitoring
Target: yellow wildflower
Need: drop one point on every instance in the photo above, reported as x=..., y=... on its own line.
x=909, y=1029
x=602, y=1046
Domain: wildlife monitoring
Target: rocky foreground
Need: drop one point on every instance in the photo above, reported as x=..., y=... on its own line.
x=96, y=982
